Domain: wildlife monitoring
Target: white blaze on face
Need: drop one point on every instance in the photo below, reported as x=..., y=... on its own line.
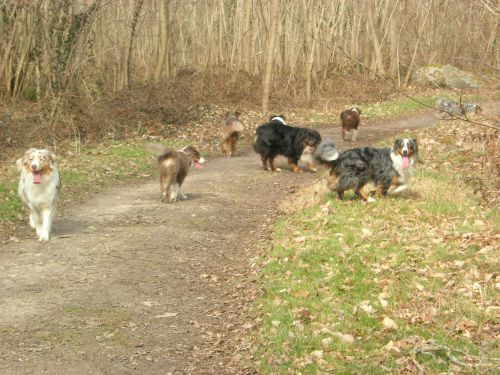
x=36, y=160
x=405, y=152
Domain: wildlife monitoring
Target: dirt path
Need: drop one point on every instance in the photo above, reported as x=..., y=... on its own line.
x=133, y=286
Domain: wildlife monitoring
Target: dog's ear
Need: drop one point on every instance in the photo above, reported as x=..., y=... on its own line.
x=283, y=117
x=52, y=157
x=414, y=142
x=190, y=151
x=227, y=115
x=271, y=117
x=398, y=143
x=26, y=156
x=237, y=115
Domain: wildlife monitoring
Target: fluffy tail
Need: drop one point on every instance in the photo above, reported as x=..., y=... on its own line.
x=156, y=148
x=326, y=153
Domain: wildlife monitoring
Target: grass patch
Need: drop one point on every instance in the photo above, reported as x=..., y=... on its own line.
x=379, y=110
x=396, y=108
x=404, y=284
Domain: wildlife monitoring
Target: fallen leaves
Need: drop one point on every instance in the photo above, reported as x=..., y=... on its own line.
x=166, y=315
x=366, y=307
x=389, y=324
x=344, y=337
x=382, y=299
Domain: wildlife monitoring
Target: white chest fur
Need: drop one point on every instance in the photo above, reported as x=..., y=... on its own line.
x=39, y=195
x=405, y=174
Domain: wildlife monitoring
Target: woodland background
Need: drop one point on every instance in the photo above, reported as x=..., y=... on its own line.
x=89, y=68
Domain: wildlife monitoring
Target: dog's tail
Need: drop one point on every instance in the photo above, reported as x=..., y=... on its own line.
x=156, y=148
x=327, y=153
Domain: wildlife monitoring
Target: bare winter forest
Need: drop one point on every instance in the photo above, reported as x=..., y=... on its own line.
x=71, y=58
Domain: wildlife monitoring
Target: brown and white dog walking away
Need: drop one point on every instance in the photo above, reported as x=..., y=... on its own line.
x=229, y=133
x=174, y=167
x=350, y=122
x=39, y=186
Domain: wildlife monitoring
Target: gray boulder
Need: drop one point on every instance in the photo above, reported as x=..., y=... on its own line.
x=446, y=76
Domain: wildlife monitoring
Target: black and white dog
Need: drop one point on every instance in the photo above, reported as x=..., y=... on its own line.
x=383, y=167
x=277, y=138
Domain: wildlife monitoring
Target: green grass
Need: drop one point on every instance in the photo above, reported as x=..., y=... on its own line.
x=84, y=173
x=396, y=107
x=379, y=110
x=412, y=252
x=10, y=202
x=390, y=108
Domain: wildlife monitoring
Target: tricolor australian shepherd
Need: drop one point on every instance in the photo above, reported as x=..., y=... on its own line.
x=383, y=167
x=350, y=122
x=229, y=133
x=39, y=186
x=174, y=167
x=277, y=138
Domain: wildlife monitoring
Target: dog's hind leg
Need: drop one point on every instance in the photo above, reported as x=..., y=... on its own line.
x=273, y=164
x=264, y=162
x=332, y=182
x=165, y=186
x=354, y=134
x=175, y=192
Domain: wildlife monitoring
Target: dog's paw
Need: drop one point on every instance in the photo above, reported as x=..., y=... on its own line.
x=371, y=200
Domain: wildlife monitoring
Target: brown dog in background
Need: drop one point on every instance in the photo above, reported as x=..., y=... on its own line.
x=229, y=133
x=174, y=167
x=350, y=122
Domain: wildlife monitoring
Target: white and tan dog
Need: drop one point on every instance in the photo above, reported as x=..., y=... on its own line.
x=39, y=185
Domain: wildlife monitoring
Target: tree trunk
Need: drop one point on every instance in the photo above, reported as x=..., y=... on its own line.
x=419, y=37
x=266, y=83
x=164, y=34
x=247, y=36
x=377, y=64
x=133, y=26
